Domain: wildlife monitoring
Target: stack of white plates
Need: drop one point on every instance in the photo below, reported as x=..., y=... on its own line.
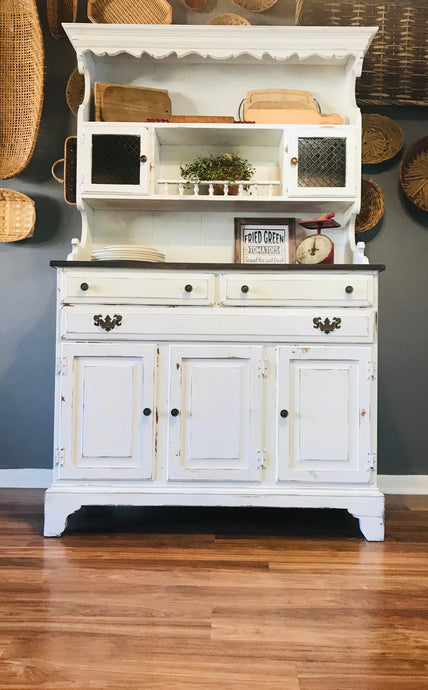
x=127, y=252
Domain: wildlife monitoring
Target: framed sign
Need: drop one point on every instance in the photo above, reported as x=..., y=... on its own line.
x=265, y=241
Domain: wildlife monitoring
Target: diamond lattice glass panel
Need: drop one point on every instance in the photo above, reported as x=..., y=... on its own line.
x=115, y=159
x=322, y=162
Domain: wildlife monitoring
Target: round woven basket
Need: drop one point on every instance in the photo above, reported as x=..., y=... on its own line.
x=129, y=12
x=21, y=84
x=60, y=11
x=381, y=140
x=229, y=19
x=75, y=90
x=372, y=206
x=414, y=173
x=17, y=216
x=255, y=5
x=194, y=5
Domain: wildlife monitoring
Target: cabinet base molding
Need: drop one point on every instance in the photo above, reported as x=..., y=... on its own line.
x=366, y=504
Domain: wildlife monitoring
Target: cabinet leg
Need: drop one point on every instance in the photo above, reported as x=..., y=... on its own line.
x=58, y=507
x=372, y=527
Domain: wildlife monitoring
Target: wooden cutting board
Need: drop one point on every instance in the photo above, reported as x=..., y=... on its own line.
x=119, y=103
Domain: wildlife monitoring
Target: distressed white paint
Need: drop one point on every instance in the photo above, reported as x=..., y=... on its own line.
x=103, y=391
x=218, y=391
x=328, y=395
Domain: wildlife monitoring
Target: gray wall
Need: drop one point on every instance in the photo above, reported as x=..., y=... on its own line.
x=27, y=283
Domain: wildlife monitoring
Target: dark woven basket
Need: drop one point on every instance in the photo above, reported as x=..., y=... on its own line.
x=60, y=11
x=69, y=163
x=414, y=173
x=372, y=206
x=395, y=66
x=75, y=90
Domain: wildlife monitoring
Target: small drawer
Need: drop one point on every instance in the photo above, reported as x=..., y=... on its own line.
x=136, y=287
x=249, y=289
x=102, y=322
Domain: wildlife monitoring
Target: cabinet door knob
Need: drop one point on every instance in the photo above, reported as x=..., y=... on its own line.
x=84, y=286
x=143, y=158
x=349, y=289
x=294, y=160
x=188, y=288
x=174, y=412
x=147, y=412
x=284, y=413
x=245, y=289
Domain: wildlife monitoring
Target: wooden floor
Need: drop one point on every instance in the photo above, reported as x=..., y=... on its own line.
x=214, y=598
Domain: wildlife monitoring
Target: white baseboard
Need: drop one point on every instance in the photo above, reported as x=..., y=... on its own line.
x=34, y=478
x=28, y=478
x=403, y=483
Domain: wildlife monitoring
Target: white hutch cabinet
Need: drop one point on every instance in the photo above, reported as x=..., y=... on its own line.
x=198, y=380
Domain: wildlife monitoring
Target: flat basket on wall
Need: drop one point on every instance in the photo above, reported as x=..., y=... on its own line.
x=21, y=84
x=17, y=216
x=60, y=11
x=381, y=140
x=372, y=206
x=129, y=12
x=75, y=90
x=414, y=173
x=395, y=66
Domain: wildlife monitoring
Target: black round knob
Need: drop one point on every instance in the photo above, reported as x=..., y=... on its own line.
x=143, y=158
x=174, y=412
x=188, y=288
x=84, y=286
x=284, y=413
x=147, y=412
x=349, y=289
x=244, y=289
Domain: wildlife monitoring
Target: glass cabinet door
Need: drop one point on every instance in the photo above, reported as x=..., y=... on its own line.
x=116, y=161
x=322, y=163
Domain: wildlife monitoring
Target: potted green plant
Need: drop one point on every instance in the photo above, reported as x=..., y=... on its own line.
x=226, y=167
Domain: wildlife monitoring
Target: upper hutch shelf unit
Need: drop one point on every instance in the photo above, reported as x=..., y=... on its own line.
x=300, y=170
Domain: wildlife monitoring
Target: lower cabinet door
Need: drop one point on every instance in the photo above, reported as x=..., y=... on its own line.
x=325, y=416
x=215, y=413
x=106, y=416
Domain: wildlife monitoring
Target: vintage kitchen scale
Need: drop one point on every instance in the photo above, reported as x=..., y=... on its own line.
x=317, y=249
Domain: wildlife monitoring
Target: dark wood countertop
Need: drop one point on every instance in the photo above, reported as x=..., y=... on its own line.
x=148, y=265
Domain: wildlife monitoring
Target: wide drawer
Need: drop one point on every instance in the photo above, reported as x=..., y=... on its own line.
x=243, y=289
x=157, y=287
x=98, y=322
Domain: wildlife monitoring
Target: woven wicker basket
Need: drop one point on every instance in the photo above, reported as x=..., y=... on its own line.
x=129, y=12
x=382, y=138
x=21, y=84
x=60, y=11
x=229, y=19
x=395, y=66
x=75, y=90
x=69, y=163
x=414, y=173
x=372, y=206
x=255, y=5
x=194, y=5
x=17, y=216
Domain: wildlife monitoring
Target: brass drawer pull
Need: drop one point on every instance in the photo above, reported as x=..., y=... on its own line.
x=108, y=323
x=327, y=326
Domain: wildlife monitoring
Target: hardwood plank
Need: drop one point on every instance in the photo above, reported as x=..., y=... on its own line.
x=206, y=599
